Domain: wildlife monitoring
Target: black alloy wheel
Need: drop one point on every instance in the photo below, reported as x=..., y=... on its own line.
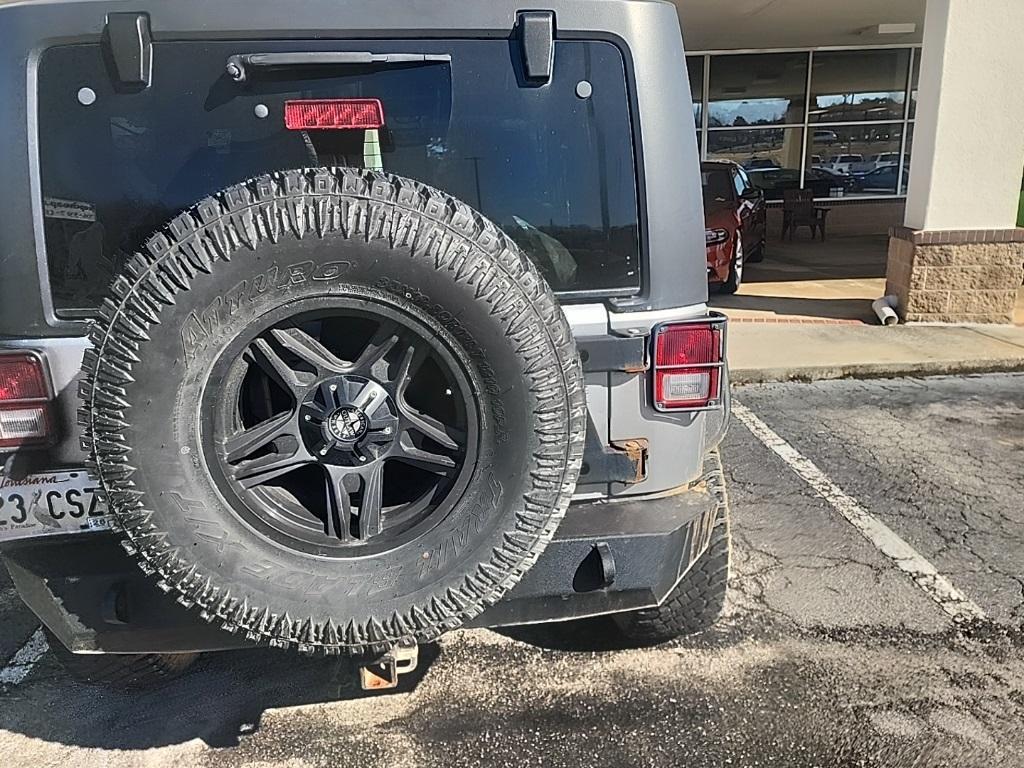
x=343, y=430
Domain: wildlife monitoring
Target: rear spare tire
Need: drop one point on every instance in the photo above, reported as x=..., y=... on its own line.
x=333, y=409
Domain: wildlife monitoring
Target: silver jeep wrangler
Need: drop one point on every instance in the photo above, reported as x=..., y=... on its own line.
x=336, y=327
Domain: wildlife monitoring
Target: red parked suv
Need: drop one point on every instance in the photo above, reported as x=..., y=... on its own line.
x=734, y=221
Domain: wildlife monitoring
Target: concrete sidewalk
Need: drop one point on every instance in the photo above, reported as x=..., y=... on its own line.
x=813, y=282
x=769, y=352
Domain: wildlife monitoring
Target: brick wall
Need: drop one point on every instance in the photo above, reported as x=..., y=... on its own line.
x=955, y=276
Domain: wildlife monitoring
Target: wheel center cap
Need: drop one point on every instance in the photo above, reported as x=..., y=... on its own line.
x=347, y=424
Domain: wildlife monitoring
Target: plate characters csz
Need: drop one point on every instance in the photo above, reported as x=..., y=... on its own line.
x=50, y=504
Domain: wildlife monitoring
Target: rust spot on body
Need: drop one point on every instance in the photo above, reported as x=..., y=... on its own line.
x=636, y=452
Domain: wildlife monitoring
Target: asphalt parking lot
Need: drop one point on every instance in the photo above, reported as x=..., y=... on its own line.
x=832, y=651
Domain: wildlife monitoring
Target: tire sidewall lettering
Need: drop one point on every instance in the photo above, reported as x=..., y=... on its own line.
x=202, y=325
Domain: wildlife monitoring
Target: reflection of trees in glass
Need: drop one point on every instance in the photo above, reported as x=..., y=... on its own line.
x=757, y=149
x=748, y=112
x=857, y=106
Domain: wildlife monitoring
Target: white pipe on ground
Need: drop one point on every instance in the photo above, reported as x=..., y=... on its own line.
x=884, y=309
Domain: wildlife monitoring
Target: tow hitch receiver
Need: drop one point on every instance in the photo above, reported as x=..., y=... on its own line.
x=382, y=674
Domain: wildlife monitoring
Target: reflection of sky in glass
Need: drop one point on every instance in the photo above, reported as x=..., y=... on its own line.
x=749, y=111
x=856, y=99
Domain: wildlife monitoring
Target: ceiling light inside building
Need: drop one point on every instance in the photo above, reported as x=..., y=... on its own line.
x=897, y=29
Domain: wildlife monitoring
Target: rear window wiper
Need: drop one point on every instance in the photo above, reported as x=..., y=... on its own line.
x=239, y=65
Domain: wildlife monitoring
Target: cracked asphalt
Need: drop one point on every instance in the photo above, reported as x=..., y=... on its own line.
x=827, y=655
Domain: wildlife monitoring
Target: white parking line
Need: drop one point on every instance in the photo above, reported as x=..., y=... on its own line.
x=905, y=557
x=24, y=660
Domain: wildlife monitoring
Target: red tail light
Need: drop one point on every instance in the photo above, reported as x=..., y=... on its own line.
x=333, y=114
x=688, y=363
x=22, y=378
x=25, y=395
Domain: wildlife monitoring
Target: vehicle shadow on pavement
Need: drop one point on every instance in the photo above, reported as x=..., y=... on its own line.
x=592, y=635
x=765, y=308
x=223, y=698
x=219, y=701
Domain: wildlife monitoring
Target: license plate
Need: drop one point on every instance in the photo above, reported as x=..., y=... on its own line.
x=50, y=504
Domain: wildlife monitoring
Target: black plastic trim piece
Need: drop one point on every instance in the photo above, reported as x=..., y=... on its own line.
x=604, y=552
x=130, y=44
x=537, y=38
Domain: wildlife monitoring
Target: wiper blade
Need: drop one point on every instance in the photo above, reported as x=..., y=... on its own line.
x=239, y=65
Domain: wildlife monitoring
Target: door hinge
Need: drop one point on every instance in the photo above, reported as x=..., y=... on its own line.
x=537, y=40
x=130, y=43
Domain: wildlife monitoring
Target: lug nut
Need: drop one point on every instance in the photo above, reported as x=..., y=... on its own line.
x=334, y=387
x=308, y=417
x=387, y=430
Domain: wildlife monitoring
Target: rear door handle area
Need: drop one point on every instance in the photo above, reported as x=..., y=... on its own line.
x=240, y=66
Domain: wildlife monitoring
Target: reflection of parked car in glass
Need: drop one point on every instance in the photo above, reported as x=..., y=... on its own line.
x=758, y=163
x=823, y=182
x=825, y=136
x=837, y=184
x=843, y=163
x=774, y=181
x=734, y=220
x=876, y=161
x=879, y=180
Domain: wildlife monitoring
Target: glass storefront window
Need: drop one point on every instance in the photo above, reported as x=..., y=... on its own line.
x=847, y=160
x=757, y=89
x=858, y=85
x=845, y=138
x=695, y=67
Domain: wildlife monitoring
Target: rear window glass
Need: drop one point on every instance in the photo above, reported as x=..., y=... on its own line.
x=554, y=170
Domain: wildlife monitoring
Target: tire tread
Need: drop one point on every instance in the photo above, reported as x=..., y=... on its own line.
x=699, y=598
x=357, y=204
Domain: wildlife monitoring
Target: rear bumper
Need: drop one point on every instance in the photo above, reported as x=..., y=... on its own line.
x=605, y=558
